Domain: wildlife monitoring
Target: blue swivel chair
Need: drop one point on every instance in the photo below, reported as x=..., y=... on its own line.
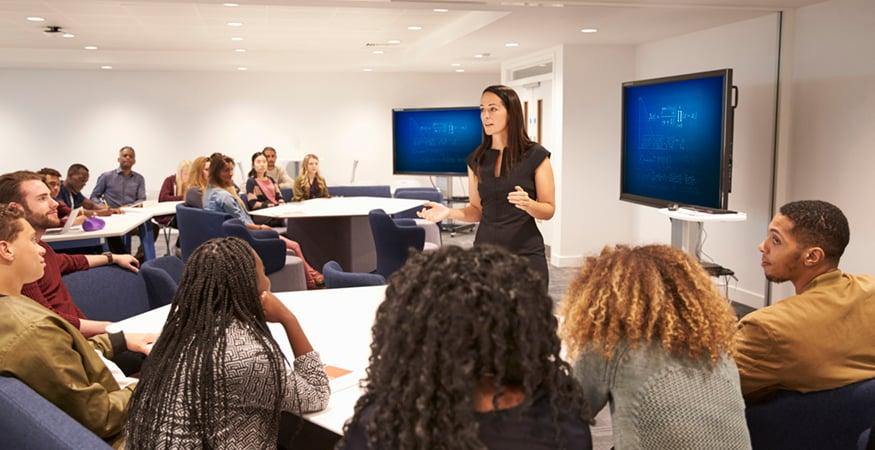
x=831, y=419
x=159, y=285
x=335, y=277
x=430, y=194
x=286, y=271
x=29, y=421
x=170, y=264
x=393, y=240
x=108, y=293
x=197, y=226
x=360, y=191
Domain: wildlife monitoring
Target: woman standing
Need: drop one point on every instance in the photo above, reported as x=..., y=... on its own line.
x=310, y=183
x=510, y=183
x=216, y=377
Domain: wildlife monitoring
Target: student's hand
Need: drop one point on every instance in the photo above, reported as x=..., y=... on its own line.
x=274, y=310
x=140, y=342
x=127, y=262
x=79, y=220
x=520, y=198
x=265, y=227
x=434, y=212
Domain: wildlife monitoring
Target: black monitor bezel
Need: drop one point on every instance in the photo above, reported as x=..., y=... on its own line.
x=726, y=139
x=395, y=144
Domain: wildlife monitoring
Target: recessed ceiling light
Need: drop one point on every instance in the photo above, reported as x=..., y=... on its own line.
x=36, y=19
x=377, y=52
x=589, y=30
x=512, y=44
x=393, y=41
x=368, y=69
x=106, y=67
x=235, y=24
x=479, y=55
x=90, y=47
x=69, y=35
x=440, y=10
x=455, y=65
x=236, y=38
x=460, y=70
x=242, y=69
x=558, y=5
x=231, y=5
x=240, y=50
x=414, y=28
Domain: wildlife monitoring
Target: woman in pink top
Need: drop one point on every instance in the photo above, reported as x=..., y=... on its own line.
x=262, y=191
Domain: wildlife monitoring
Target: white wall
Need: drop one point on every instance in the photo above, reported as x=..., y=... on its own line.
x=55, y=118
x=833, y=133
x=750, y=48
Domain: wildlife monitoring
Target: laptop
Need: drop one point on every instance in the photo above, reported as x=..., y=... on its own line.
x=68, y=225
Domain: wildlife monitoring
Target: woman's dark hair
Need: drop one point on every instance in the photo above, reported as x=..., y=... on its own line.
x=452, y=320
x=217, y=165
x=252, y=173
x=186, y=366
x=518, y=141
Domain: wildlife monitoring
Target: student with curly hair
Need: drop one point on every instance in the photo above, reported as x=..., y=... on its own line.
x=216, y=377
x=651, y=334
x=465, y=355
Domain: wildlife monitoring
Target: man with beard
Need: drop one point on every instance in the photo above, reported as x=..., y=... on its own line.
x=821, y=338
x=27, y=191
x=122, y=187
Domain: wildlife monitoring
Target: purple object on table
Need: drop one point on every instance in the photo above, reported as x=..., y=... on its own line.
x=93, y=224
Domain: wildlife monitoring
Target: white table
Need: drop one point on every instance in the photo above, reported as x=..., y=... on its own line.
x=336, y=228
x=338, y=324
x=122, y=224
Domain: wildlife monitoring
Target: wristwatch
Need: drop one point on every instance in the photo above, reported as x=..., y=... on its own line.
x=108, y=257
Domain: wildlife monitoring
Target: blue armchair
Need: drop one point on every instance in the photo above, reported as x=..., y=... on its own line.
x=335, y=277
x=286, y=272
x=430, y=194
x=832, y=419
x=108, y=293
x=173, y=265
x=197, y=226
x=393, y=240
x=159, y=285
x=360, y=191
x=30, y=421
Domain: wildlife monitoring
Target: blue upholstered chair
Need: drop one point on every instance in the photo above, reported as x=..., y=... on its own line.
x=28, y=421
x=393, y=240
x=335, y=277
x=108, y=293
x=287, y=194
x=197, y=226
x=430, y=194
x=286, y=271
x=159, y=285
x=173, y=265
x=831, y=419
x=863, y=443
x=360, y=191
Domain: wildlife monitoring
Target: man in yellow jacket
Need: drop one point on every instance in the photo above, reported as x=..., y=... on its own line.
x=45, y=351
x=823, y=337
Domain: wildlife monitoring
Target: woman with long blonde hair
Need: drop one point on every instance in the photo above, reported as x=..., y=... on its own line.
x=310, y=183
x=197, y=182
x=648, y=332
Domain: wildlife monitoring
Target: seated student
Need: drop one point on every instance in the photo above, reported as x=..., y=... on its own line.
x=283, y=180
x=821, y=338
x=310, y=183
x=46, y=352
x=71, y=193
x=122, y=187
x=222, y=197
x=196, y=184
x=465, y=355
x=27, y=191
x=171, y=189
x=651, y=335
x=52, y=179
x=262, y=191
x=216, y=377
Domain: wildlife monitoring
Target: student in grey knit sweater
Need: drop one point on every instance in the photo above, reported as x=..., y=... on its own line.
x=649, y=333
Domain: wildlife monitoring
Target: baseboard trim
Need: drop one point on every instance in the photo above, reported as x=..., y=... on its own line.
x=737, y=294
x=566, y=261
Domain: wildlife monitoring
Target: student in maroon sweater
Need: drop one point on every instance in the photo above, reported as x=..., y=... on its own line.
x=28, y=191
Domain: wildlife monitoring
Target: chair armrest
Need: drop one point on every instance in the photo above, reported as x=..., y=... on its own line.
x=405, y=222
x=272, y=253
x=264, y=234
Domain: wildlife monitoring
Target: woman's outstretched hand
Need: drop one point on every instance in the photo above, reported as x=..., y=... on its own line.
x=434, y=212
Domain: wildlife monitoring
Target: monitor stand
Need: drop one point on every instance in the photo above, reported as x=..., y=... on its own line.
x=686, y=227
x=450, y=224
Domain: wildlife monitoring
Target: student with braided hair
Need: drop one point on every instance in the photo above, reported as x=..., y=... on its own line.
x=652, y=335
x=465, y=355
x=216, y=378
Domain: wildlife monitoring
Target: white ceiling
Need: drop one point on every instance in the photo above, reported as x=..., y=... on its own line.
x=298, y=35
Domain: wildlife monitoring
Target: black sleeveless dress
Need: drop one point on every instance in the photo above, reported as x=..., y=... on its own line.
x=502, y=223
